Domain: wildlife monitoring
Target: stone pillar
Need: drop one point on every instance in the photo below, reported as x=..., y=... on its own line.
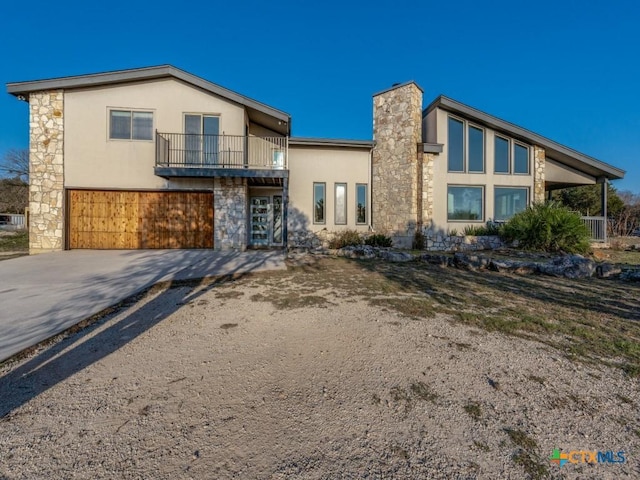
x=427, y=189
x=230, y=213
x=538, y=174
x=397, y=131
x=46, y=171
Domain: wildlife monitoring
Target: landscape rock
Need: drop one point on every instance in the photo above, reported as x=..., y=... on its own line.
x=569, y=266
x=606, y=270
x=631, y=275
x=513, y=266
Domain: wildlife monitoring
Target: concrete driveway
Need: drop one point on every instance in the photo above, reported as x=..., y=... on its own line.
x=45, y=294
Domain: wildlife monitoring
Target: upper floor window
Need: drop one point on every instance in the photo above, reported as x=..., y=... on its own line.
x=130, y=125
x=465, y=147
x=508, y=160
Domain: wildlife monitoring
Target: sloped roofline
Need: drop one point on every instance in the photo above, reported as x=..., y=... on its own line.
x=149, y=73
x=554, y=150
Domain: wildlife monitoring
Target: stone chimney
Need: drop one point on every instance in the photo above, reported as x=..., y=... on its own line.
x=396, y=189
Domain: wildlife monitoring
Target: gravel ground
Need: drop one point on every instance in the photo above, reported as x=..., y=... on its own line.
x=214, y=381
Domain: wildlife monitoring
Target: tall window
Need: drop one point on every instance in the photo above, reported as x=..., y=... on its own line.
x=130, y=125
x=341, y=204
x=455, y=145
x=501, y=158
x=361, y=203
x=465, y=203
x=476, y=149
x=465, y=147
x=520, y=159
x=508, y=201
x=319, y=202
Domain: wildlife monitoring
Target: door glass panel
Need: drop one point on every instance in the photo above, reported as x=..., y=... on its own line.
x=277, y=219
x=259, y=221
x=211, y=130
x=192, y=139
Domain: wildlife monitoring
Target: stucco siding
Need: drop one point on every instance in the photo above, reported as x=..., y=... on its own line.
x=330, y=166
x=93, y=160
x=488, y=180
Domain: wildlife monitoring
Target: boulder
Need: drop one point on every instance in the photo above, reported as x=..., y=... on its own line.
x=631, y=275
x=395, y=256
x=513, y=266
x=569, y=266
x=606, y=270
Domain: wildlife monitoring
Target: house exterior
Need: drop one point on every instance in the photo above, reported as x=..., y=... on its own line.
x=159, y=158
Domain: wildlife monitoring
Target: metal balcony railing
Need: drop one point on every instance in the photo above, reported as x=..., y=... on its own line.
x=185, y=150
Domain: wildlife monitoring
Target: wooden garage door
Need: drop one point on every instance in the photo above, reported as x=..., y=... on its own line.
x=132, y=220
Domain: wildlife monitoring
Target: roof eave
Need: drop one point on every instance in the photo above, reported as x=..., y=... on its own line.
x=556, y=150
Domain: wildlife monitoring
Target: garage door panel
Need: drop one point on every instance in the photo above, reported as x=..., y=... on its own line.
x=130, y=219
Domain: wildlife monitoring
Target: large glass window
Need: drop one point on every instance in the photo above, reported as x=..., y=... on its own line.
x=361, y=203
x=476, y=149
x=465, y=203
x=509, y=201
x=455, y=145
x=130, y=125
x=341, y=204
x=319, y=202
x=520, y=159
x=501, y=156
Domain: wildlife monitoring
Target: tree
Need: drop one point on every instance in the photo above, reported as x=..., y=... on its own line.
x=14, y=188
x=15, y=164
x=628, y=218
x=587, y=199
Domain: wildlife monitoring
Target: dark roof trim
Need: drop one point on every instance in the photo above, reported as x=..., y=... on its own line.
x=330, y=142
x=143, y=74
x=432, y=148
x=399, y=85
x=553, y=149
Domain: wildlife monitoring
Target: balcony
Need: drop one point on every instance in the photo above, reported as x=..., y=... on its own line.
x=189, y=155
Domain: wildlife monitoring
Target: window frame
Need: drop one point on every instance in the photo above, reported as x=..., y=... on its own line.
x=464, y=146
x=509, y=187
x=324, y=206
x=509, y=154
x=366, y=203
x=335, y=204
x=466, y=128
x=528, y=149
x=130, y=111
x=484, y=148
x=483, y=203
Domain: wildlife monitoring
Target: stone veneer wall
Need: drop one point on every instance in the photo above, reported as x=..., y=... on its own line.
x=397, y=131
x=538, y=174
x=46, y=171
x=427, y=189
x=230, y=213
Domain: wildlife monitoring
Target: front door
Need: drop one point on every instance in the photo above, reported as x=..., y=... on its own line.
x=259, y=217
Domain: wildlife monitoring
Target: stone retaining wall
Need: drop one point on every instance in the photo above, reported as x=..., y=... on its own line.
x=46, y=171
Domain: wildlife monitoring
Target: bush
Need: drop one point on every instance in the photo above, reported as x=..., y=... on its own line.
x=490, y=229
x=418, y=240
x=345, y=238
x=549, y=227
x=378, y=240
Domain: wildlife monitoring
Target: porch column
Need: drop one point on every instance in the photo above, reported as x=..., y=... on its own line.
x=285, y=211
x=539, y=159
x=603, y=204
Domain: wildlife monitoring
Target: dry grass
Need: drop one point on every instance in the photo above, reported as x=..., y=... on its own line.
x=590, y=319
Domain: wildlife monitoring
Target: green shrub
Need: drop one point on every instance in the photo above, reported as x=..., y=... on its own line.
x=378, y=240
x=489, y=229
x=418, y=240
x=549, y=227
x=345, y=238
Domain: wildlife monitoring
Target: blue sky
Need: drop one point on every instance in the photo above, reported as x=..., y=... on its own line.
x=569, y=70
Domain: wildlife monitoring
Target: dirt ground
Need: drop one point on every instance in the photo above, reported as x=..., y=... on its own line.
x=296, y=375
